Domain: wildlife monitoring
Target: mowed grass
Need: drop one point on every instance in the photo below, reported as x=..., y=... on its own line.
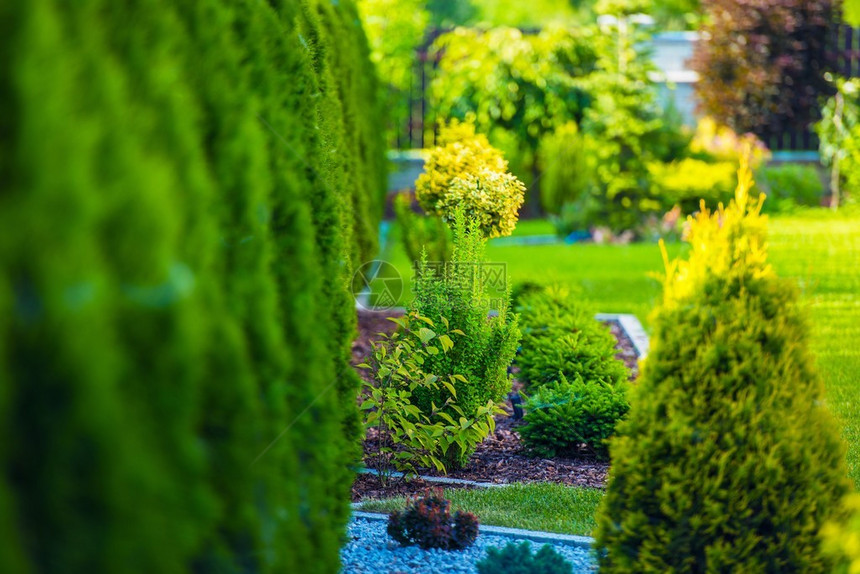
x=613, y=278
x=817, y=249
x=821, y=252
x=540, y=506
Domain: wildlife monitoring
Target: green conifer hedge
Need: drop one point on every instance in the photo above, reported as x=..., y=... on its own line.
x=184, y=190
x=729, y=460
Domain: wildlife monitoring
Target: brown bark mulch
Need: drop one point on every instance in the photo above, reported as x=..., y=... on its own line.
x=500, y=458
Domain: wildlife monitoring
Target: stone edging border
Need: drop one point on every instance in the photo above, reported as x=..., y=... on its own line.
x=632, y=328
x=439, y=479
x=584, y=542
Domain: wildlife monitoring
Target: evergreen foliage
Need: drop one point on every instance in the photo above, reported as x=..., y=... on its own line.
x=728, y=460
x=560, y=335
x=517, y=558
x=185, y=188
x=572, y=418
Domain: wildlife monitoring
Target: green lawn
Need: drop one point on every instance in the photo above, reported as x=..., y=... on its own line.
x=819, y=250
x=822, y=253
x=546, y=507
x=614, y=278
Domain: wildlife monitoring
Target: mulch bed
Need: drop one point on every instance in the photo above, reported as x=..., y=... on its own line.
x=369, y=487
x=500, y=458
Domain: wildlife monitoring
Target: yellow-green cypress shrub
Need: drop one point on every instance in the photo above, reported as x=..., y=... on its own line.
x=729, y=460
x=842, y=540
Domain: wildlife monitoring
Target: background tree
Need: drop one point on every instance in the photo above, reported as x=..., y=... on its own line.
x=761, y=64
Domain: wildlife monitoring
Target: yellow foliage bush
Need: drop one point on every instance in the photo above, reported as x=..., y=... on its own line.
x=842, y=541
x=466, y=172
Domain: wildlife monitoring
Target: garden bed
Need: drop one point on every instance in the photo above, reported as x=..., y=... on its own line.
x=500, y=459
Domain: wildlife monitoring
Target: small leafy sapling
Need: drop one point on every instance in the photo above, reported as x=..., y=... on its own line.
x=407, y=436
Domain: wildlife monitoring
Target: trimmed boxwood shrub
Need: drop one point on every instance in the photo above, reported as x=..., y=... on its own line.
x=729, y=460
x=560, y=335
x=573, y=418
x=175, y=316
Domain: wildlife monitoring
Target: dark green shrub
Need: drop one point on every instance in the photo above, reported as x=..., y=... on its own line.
x=517, y=558
x=560, y=335
x=762, y=64
x=729, y=460
x=421, y=233
x=573, y=418
x=427, y=522
x=457, y=293
x=174, y=315
x=788, y=186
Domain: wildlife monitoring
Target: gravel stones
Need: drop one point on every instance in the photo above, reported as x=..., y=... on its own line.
x=370, y=550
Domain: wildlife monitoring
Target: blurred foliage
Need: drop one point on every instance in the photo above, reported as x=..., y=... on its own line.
x=465, y=173
x=851, y=10
x=420, y=233
x=520, y=83
x=447, y=13
x=535, y=14
x=689, y=181
x=839, y=140
x=713, y=141
x=762, y=63
x=728, y=419
x=842, y=539
x=789, y=186
x=567, y=168
x=628, y=128
x=529, y=88
x=185, y=188
x=395, y=30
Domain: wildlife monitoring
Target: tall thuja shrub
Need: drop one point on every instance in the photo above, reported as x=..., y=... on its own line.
x=95, y=278
x=355, y=86
x=729, y=460
x=166, y=356
x=345, y=227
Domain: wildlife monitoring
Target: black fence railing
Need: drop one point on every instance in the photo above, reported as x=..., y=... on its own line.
x=417, y=127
